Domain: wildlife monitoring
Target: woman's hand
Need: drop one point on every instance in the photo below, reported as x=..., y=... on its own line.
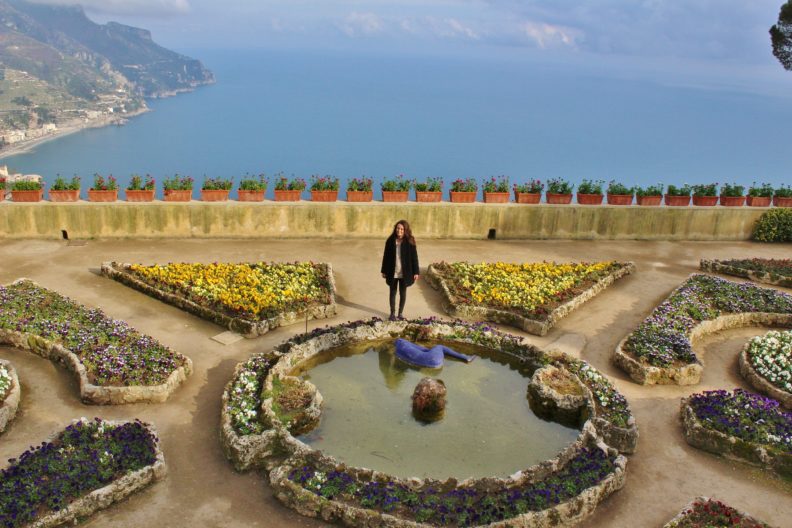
x=383, y=275
x=416, y=277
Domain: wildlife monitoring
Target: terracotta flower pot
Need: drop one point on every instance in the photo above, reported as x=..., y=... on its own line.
x=649, y=200
x=732, y=201
x=496, y=197
x=677, y=201
x=102, y=196
x=140, y=195
x=250, y=196
x=620, y=199
x=172, y=195
x=553, y=198
x=589, y=199
x=527, y=198
x=64, y=196
x=27, y=196
x=282, y=195
x=463, y=196
x=782, y=201
x=428, y=196
x=360, y=196
x=324, y=196
x=395, y=196
x=705, y=201
x=759, y=201
x=214, y=195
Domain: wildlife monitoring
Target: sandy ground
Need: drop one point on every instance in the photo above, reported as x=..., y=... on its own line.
x=203, y=490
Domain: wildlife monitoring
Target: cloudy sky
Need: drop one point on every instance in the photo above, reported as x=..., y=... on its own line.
x=706, y=31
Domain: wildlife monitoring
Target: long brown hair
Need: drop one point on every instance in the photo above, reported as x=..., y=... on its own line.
x=408, y=236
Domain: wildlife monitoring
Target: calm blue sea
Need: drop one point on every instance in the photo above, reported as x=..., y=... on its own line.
x=324, y=113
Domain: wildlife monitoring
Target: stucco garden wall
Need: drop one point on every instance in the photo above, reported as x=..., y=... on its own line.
x=366, y=220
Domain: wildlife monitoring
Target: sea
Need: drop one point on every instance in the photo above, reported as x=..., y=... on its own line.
x=304, y=113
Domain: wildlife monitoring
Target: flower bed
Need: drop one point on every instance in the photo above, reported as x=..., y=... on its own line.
x=114, y=362
x=83, y=469
x=9, y=394
x=660, y=350
x=254, y=437
x=740, y=425
x=766, y=362
x=704, y=512
x=251, y=299
x=777, y=272
x=529, y=296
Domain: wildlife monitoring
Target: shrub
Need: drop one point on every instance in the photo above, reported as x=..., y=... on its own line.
x=397, y=184
x=360, y=184
x=499, y=184
x=705, y=189
x=764, y=190
x=282, y=183
x=774, y=226
x=559, y=186
x=324, y=183
x=532, y=187
x=590, y=187
x=253, y=184
x=178, y=183
x=62, y=185
x=137, y=183
x=430, y=185
x=784, y=191
x=673, y=190
x=732, y=189
x=615, y=187
x=466, y=185
x=217, y=184
x=26, y=186
x=650, y=190
x=100, y=184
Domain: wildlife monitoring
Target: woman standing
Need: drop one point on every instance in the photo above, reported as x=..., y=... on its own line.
x=399, y=265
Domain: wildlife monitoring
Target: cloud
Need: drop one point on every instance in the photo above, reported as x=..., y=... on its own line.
x=458, y=28
x=549, y=35
x=127, y=7
x=357, y=24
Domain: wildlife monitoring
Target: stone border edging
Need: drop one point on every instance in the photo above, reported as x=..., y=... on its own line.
x=716, y=266
x=674, y=523
x=10, y=404
x=90, y=393
x=759, y=383
x=729, y=446
x=248, y=328
x=540, y=328
x=116, y=491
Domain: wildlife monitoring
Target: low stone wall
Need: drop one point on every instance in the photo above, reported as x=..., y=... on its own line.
x=760, y=383
x=532, y=326
x=90, y=393
x=102, y=498
x=679, y=520
x=9, y=405
x=732, y=447
x=45, y=220
x=246, y=327
x=716, y=266
x=691, y=374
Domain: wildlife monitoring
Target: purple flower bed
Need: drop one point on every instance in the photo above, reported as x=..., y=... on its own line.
x=112, y=352
x=459, y=506
x=747, y=416
x=661, y=340
x=86, y=456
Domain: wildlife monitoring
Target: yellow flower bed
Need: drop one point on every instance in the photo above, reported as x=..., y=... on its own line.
x=531, y=288
x=259, y=290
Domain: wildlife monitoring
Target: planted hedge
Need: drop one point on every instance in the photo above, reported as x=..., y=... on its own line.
x=774, y=226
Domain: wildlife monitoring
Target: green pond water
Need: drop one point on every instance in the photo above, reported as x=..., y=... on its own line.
x=488, y=428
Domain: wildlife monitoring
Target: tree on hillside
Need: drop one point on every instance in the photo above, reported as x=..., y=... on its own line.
x=781, y=36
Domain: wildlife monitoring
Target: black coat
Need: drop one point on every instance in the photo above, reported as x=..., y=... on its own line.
x=409, y=261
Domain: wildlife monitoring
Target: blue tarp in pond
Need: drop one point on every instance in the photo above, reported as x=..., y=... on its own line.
x=426, y=357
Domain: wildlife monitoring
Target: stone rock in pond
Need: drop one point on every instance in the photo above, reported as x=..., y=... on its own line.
x=429, y=400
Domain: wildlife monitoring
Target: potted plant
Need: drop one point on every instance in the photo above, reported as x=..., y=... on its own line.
x=705, y=194
x=430, y=190
x=678, y=196
x=324, y=188
x=464, y=191
x=177, y=189
x=590, y=192
x=782, y=196
x=140, y=190
x=65, y=191
x=288, y=190
x=528, y=193
x=395, y=189
x=619, y=194
x=650, y=195
x=27, y=191
x=252, y=189
x=760, y=196
x=559, y=191
x=216, y=189
x=103, y=190
x=359, y=189
x=496, y=190
x=732, y=195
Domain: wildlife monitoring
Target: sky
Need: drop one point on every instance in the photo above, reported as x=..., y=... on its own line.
x=727, y=39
